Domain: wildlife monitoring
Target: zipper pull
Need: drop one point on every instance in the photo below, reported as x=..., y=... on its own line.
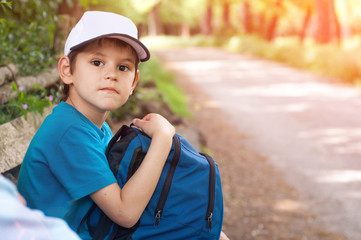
x=209, y=221
x=157, y=218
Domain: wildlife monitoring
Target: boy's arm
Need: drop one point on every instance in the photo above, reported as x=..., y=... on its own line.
x=125, y=206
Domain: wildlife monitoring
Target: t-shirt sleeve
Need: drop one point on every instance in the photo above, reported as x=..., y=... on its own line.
x=81, y=167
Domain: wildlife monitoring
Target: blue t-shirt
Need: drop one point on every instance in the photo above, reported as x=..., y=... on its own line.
x=65, y=162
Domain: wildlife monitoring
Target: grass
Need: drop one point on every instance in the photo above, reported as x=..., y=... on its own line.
x=166, y=84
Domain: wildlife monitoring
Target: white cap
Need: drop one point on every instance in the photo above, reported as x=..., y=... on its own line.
x=95, y=24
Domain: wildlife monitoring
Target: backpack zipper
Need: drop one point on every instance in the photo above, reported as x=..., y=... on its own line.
x=212, y=190
x=167, y=182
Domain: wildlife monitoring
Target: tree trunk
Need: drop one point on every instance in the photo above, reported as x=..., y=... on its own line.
x=335, y=21
x=185, y=31
x=305, y=24
x=68, y=16
x=75, y=10
x=226, y=14
x=247, y=17
x=261, y=29
x=270, y=32
x=155, y=26
x=272, y=26
x=206, y=26
x=328, y=24
x=323, y=34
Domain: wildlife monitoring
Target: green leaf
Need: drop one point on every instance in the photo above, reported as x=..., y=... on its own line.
x=21, y=96
x=14, y=86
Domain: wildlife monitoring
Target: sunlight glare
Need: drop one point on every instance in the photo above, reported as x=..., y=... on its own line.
x=340, y=176
x=289, y=205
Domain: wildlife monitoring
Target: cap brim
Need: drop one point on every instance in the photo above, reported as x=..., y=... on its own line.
x=141, y=50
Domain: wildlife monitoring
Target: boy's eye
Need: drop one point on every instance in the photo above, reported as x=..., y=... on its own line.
x=97, y=63
x=123, y=68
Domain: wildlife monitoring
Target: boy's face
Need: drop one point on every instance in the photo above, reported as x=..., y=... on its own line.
x=103, y=78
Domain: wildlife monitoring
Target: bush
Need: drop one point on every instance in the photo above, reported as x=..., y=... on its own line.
x=27, y=35
x=328, y=60
x=27, y=31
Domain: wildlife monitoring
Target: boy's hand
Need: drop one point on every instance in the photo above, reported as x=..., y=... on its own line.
x=223, y=236
x=155, y=125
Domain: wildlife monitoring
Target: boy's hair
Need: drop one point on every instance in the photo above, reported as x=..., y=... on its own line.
x=74, y=53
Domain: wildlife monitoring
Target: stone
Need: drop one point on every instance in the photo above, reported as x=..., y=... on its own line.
x=15, y=137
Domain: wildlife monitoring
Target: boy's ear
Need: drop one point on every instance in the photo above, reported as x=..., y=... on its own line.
x=64, y=70
x=135, y=82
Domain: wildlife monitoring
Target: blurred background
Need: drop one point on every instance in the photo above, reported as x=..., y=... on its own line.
x=321, y=36
x=298, y=32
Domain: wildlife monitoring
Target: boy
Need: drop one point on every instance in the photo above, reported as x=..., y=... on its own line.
x=65, y=168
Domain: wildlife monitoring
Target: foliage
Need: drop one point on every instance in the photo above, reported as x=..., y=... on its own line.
x=328, y=60
x=166, y=84
x=24, y=103
x=171, y=11
x=125, y=7
x=182, y=11
x=174, y=41
x=4, y=4
x=27, y=35
x=27, y=31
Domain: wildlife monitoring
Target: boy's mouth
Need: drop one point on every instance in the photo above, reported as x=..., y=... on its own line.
x=109, y=90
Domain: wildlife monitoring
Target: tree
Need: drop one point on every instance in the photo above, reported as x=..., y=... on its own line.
x=305, y=24
x=247, y=17
x=328, y=26
x=226, y=14
x=182, y=16
x=262, y=16
x=154, y=23
x=206, y=24
x=272, y=24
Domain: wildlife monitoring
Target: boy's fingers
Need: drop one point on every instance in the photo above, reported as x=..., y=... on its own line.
x=147, y=117
x=137, y=122
x=140, y=123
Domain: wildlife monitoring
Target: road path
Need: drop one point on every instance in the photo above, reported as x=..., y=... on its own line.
x=308, y=127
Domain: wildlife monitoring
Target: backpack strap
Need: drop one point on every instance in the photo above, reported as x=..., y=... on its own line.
x=91, y=209
x=121, y=132
x=106, y=224
x=98, y=233
x=127, y=134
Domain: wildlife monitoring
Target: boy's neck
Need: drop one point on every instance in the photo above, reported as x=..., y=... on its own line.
x=98, y=118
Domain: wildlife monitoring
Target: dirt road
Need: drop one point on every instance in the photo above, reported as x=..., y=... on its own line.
x=295, y=140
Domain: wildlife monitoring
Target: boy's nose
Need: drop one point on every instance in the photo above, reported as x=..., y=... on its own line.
x=111, y=73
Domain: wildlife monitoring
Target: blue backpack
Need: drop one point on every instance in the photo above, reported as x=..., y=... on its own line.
x=187, y=202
